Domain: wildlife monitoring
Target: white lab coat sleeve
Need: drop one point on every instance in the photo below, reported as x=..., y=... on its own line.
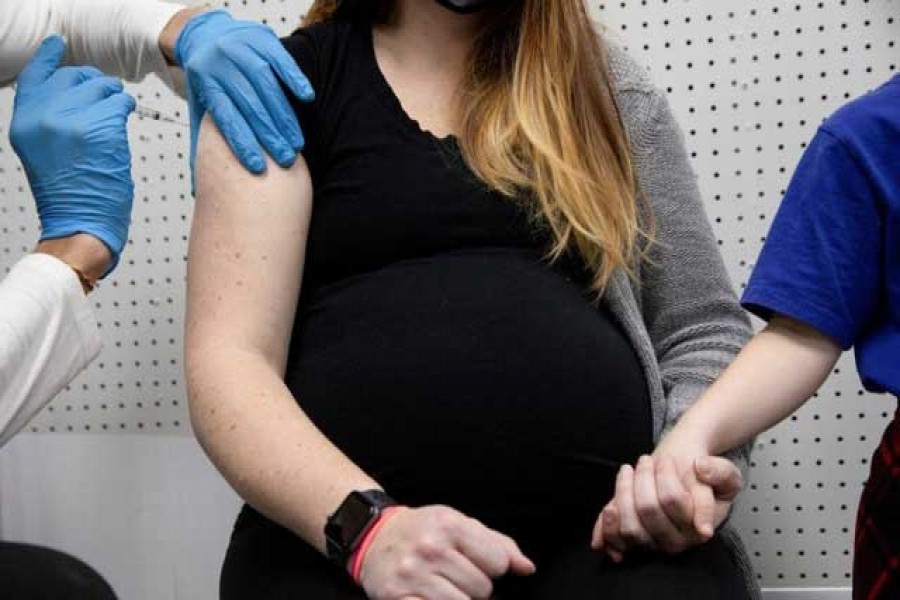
x=119, y=37
x=48, y=335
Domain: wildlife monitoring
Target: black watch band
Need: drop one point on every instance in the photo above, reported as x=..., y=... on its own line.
x=346, y=528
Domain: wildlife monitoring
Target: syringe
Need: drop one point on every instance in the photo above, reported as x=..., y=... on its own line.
x=155, y=115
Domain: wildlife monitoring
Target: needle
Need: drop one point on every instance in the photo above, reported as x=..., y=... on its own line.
x=155, y=115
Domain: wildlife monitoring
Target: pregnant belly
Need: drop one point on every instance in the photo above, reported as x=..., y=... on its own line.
x=485, y=380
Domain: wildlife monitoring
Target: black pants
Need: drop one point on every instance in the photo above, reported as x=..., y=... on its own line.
x=34, y=573
x=266, y=562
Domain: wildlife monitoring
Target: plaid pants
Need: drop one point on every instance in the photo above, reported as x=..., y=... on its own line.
x=876, y=568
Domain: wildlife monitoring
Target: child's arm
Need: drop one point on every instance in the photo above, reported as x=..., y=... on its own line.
x=668, y=503
x=778, y=370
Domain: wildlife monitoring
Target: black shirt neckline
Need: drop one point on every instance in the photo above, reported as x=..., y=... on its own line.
x=385, y=92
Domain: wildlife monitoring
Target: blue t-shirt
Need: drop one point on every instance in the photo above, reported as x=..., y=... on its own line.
x=832, y=257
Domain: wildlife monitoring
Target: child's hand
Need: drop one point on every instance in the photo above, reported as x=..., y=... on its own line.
x=719, y=482
x=668, y=502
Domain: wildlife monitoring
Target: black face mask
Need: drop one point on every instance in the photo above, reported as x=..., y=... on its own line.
x=465, y=6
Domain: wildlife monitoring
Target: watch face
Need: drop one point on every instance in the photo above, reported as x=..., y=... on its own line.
x=352, y=518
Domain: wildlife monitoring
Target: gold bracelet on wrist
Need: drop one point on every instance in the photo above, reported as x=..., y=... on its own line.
x=86, y=282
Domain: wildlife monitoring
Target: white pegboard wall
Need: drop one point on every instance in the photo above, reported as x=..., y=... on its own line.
x=749, y=82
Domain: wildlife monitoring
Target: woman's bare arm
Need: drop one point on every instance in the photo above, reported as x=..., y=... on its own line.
x=246, y=258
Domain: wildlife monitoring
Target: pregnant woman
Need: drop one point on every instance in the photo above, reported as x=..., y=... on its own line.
x=509, y=288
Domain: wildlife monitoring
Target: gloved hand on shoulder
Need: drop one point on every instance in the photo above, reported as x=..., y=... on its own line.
x=234, y=70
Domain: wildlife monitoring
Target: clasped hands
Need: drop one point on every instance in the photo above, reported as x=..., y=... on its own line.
x=669, y=502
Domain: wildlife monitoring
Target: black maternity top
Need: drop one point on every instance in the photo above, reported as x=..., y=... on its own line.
x=433, y=343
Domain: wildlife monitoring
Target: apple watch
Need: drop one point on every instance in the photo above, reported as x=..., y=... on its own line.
x=346, y=528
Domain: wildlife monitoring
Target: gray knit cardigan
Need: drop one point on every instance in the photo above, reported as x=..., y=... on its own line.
x=681, y=315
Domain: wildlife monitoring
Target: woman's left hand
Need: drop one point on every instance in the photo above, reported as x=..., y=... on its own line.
x=669, y=502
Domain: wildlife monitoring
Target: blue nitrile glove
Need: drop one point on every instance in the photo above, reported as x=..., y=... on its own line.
x=232, y=69
x=69, y=130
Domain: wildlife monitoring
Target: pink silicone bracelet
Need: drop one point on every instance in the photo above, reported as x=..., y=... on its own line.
x=356, y=561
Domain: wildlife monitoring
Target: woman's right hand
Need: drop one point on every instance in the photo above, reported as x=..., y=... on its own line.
x=437, y=553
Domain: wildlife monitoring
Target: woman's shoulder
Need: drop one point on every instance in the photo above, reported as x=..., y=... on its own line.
x=323, y=32
x=628, y=75
x=644, y=107
x=318, y=46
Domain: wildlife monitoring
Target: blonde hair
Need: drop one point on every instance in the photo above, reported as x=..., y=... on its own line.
x=539, y=120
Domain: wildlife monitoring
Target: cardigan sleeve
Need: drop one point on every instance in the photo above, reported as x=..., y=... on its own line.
x=688, y=303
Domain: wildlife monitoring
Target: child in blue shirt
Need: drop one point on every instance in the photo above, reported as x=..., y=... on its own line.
x=828, y=279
